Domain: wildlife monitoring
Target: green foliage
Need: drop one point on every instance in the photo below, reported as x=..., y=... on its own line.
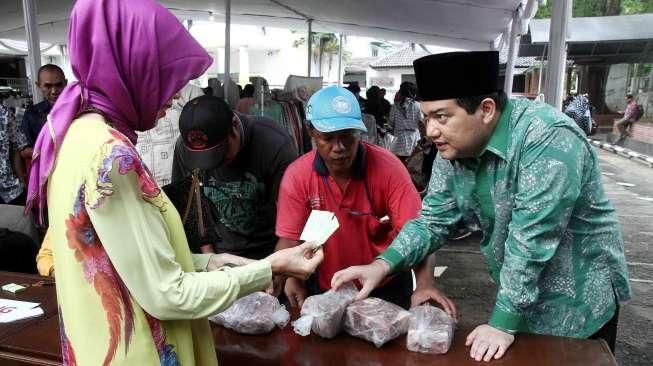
x=544, y=12
x=597, y=8
x=636, y=6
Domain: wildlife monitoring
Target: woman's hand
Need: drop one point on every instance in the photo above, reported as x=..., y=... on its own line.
x=298, y=262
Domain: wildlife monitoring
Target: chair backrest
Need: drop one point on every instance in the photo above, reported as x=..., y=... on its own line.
x=19, y=240
x=12, y=218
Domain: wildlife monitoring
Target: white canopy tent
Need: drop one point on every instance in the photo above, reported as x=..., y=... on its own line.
x=466, y=24
x=461, y=24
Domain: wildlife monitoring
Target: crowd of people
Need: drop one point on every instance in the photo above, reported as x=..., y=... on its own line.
x=146, y=240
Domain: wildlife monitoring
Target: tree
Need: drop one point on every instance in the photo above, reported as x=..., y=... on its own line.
x=597, y=8
x=636, y=6
x=324, y=44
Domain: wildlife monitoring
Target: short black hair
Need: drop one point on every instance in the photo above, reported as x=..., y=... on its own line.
x=408, y=90
x=373, y=92
x=470, y=104
x=248, y=91
x=354, y=88
x=51, y=68
x=629, y=96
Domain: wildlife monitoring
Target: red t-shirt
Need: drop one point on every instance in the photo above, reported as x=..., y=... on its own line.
x=361, y=236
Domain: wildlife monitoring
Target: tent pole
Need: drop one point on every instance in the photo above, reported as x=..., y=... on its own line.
x=227, y=49
x=340, y=47
x=539, y=75
x=555, y=78
x=310, y=44
x=33, y=45
x=513, y=50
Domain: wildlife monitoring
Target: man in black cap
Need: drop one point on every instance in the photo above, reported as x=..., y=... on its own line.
x=526, y=174
x=242, y=160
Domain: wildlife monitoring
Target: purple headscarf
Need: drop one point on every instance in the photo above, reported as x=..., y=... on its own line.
x=130, y=58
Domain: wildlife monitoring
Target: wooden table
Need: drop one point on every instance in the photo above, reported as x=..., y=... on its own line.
x=38, y=338
x=36, y=342
x=283, y=347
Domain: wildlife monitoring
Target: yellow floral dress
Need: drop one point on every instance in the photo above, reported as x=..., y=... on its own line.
x=127, y=285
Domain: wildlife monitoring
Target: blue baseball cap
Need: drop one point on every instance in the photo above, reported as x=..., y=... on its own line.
x=334, y=109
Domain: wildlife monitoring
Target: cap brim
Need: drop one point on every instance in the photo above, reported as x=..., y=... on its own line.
x=205, y=159
x=338, y=124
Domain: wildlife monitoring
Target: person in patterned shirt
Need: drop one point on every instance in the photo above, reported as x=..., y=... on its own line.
x=629, y=117
x=526, y=174
x=12, y=174
x=404, y=120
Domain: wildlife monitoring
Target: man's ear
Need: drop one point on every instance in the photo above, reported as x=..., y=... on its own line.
x=234, y=126
x=488, y=110
x=311, y=130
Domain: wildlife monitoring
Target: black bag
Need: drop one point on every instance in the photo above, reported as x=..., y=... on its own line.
x=638, y=113
x=200, y=224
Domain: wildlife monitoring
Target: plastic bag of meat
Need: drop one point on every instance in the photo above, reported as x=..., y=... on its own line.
x=256, y=313
x=430, y=331
x=323, y=313
x=376, y=320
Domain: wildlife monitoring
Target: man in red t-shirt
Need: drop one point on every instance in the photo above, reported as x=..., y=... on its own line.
x=367, y=188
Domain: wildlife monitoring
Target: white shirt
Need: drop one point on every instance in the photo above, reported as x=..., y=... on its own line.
x=157, y=146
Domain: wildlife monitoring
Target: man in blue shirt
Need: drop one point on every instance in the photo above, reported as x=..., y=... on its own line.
x=51, y=82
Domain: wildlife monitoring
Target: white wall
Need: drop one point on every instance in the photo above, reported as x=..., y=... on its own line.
x=393, y=74
x=269, y=54
x=258, y=52
x=615, y=88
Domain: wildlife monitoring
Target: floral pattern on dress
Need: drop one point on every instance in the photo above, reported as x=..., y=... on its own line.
x=120, y=150
x=167, y=354
x=99, y=271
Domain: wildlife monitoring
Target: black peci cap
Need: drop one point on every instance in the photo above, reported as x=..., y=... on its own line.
x=457, y=75
x=204, y=125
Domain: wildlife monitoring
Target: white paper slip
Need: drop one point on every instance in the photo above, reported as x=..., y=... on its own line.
x=12, y=310
x=438, y=271
x=13, y=288
x=319, y=227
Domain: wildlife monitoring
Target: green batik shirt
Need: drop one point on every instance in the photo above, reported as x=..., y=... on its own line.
x=551, y=238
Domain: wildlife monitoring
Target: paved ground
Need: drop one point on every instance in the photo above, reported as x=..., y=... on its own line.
x=467, y=281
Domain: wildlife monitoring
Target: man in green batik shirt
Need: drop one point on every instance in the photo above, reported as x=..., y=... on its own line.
x=528, y=176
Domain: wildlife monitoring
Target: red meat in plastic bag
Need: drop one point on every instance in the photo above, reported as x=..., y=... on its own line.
x=323, y=313
x=256, y=313
x=430, y=331
x=376, y=320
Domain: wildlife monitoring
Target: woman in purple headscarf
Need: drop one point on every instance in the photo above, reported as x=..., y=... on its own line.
x=128, y=288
